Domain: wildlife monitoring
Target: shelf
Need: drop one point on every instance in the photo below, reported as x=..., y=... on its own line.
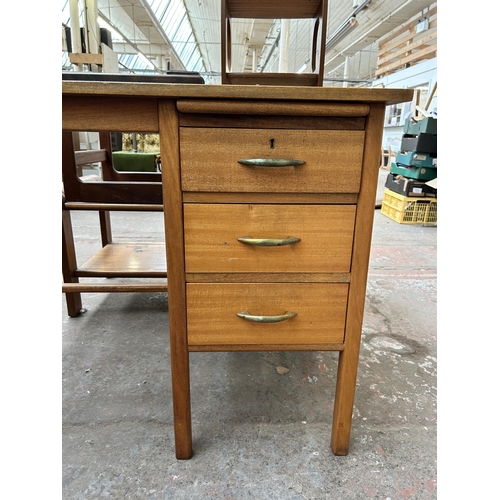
x=282, y=79
x=131, y=259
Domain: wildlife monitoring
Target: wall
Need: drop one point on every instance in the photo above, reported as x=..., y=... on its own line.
x=424, y=73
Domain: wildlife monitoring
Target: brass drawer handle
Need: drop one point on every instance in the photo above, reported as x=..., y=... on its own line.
x=269, y=242
x=271, y=162
x=267, y=319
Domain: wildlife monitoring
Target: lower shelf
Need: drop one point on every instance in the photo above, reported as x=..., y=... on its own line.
x=131, y=259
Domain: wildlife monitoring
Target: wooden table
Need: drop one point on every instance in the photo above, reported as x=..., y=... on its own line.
x=269, y=196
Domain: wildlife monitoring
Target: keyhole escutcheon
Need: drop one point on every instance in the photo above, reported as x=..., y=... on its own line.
x=271, y=143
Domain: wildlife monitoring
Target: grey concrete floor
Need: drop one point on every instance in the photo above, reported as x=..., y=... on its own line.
x=256, y=433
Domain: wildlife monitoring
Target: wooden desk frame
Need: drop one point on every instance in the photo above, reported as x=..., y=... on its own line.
x=150, y=107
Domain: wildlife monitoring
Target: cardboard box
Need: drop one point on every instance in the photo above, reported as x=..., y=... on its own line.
x=409, y=187
x=426, y=125
x=414, y=159
x=419, y=173
x=423, y=143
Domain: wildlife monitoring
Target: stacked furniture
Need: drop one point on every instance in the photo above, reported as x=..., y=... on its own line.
x=408, y=198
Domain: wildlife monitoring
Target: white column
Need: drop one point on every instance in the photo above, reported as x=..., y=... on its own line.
x=346, y=71
x=284, y=45
x=76, y=41
x=92, y=29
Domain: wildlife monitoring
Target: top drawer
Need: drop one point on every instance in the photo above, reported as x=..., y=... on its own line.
x=332, y=160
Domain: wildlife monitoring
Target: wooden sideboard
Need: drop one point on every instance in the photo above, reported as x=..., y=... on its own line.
x=269, y=197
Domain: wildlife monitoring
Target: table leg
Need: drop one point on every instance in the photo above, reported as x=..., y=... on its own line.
x=73, y=300
x=174, y=237
x=182, y=405
x=344, y=399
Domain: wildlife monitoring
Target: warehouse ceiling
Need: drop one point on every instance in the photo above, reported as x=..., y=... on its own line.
x=187, y=33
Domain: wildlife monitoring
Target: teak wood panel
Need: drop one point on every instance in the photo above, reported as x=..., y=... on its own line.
x=212, y=313
x=272, y=108
x=113, y=192
x=274, y=121
x=209, y=160
x=137, y=91
x=268, y=277
x=287, y=198
x=211, y=233
x=109, y=113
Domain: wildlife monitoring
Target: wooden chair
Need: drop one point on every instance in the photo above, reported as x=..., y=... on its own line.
x=116, y=191
x=266, y=9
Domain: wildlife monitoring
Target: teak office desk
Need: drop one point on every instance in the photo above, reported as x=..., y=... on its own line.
x=269, y=196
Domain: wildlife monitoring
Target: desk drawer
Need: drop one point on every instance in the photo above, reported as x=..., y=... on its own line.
x=209, y=160
x=211, y=233
x=212, y=313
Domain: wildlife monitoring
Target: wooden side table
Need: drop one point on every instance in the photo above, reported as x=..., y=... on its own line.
x=269, y=196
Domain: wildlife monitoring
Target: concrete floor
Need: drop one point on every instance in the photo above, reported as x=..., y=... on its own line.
x=256, y=433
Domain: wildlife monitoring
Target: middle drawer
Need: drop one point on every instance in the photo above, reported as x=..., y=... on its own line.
x=269, y=234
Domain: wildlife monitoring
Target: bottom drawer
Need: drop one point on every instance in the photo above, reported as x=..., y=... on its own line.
x=212, y=313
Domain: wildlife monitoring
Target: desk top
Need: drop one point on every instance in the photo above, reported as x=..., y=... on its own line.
x=166, y=90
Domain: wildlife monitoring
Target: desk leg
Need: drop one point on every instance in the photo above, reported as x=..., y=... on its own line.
x=73, y=300
x=182, y=404
x=348, y=358
x=174, y=237
x=344, y=400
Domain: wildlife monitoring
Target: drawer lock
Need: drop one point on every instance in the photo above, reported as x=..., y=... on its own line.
x=266, y=319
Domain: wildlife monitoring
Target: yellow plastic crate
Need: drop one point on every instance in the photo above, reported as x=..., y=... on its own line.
x=409, y=210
